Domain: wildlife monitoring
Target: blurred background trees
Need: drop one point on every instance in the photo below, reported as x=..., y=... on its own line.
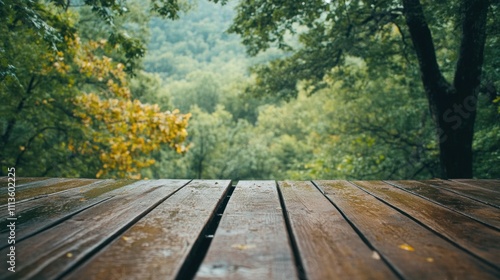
x=68, y=109
x=101, y=99
x=446, y=42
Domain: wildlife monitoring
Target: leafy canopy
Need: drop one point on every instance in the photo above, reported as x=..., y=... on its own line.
x=68, y=107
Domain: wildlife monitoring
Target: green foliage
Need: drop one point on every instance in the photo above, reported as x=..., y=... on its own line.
x=216, y=150
x=383, y=132
x=193, y=43
x=366, y=120
x=487, y=139
x=48, y=23
x=331, y=33
x=68, y=109
x=199, y=89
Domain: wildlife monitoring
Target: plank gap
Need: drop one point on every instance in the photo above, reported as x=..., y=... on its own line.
x=479, y=198
x=55, y=223
x=391, y=266
x=36, y=190
x=301, y=273
x=112, y=237
x=485, y=223
x=454, y=243
x=485, y=184
x=200, y=247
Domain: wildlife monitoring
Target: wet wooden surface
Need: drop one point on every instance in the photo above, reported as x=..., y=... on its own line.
x=209, y=229
x=329, y=247
x=251, y=241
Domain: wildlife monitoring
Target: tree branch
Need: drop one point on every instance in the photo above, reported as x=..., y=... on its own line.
x=12, y=122
x=424, y=46
x=30, y=140
x=405, y=43
x=470, y=61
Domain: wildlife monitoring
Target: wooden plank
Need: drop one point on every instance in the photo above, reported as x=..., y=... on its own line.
x=490, y=184
x=471, y=208
x=161, y=240
x=467, y=233
x=36, y=215
x=34, y=184
x=36, y=189
x=412, y=250
x=49, y=254
x=483, y=195
x=328, y=245
x=23, y=180
x=251, y=241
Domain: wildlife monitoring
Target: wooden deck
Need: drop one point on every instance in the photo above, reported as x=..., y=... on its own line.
x=182, y=229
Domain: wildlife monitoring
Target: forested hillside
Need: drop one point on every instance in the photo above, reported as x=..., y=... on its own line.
x=366, y=125
x=179, y=97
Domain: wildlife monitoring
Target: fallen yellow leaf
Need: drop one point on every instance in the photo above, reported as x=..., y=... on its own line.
x=243, y=246
x=406, y=247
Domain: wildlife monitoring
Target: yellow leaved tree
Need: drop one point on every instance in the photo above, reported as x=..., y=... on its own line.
x=67, y=109
x=120, y=131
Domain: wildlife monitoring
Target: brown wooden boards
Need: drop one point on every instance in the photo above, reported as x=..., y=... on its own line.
x=157, y=245
x=21, y=180
x=328, y=245
x=35, y=188
x=53, y=251
x=490, y=184
x=251, y=241
x=35, y=215
x=412, y=250
x=161, y=229
x=484, y=195
x=467, y=233
x=479, y=211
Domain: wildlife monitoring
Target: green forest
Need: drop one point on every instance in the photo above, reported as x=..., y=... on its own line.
x=262, y=89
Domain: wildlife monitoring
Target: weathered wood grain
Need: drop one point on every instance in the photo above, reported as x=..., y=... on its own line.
x=53, y=251
x=96, y=229
x=36, y=215
x=35, y=189
x=22, y=180
x=157, y=245
x=414, y=251
x=483, y=195
x=464, y=231
x=328, y=245
x=251, y=241
x=469, y=207
x=490, y=184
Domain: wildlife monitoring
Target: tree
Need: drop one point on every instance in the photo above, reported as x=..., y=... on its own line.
x=381, y=128
x=447, y=99
x=200, y=88
x=220, y=147
x=68, y=108
x=379, y=32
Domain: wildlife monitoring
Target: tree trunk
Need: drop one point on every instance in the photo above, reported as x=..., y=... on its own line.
x=453, y=106
x=454, y=118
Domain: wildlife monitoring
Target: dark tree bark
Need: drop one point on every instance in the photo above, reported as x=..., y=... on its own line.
x=453, y=106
